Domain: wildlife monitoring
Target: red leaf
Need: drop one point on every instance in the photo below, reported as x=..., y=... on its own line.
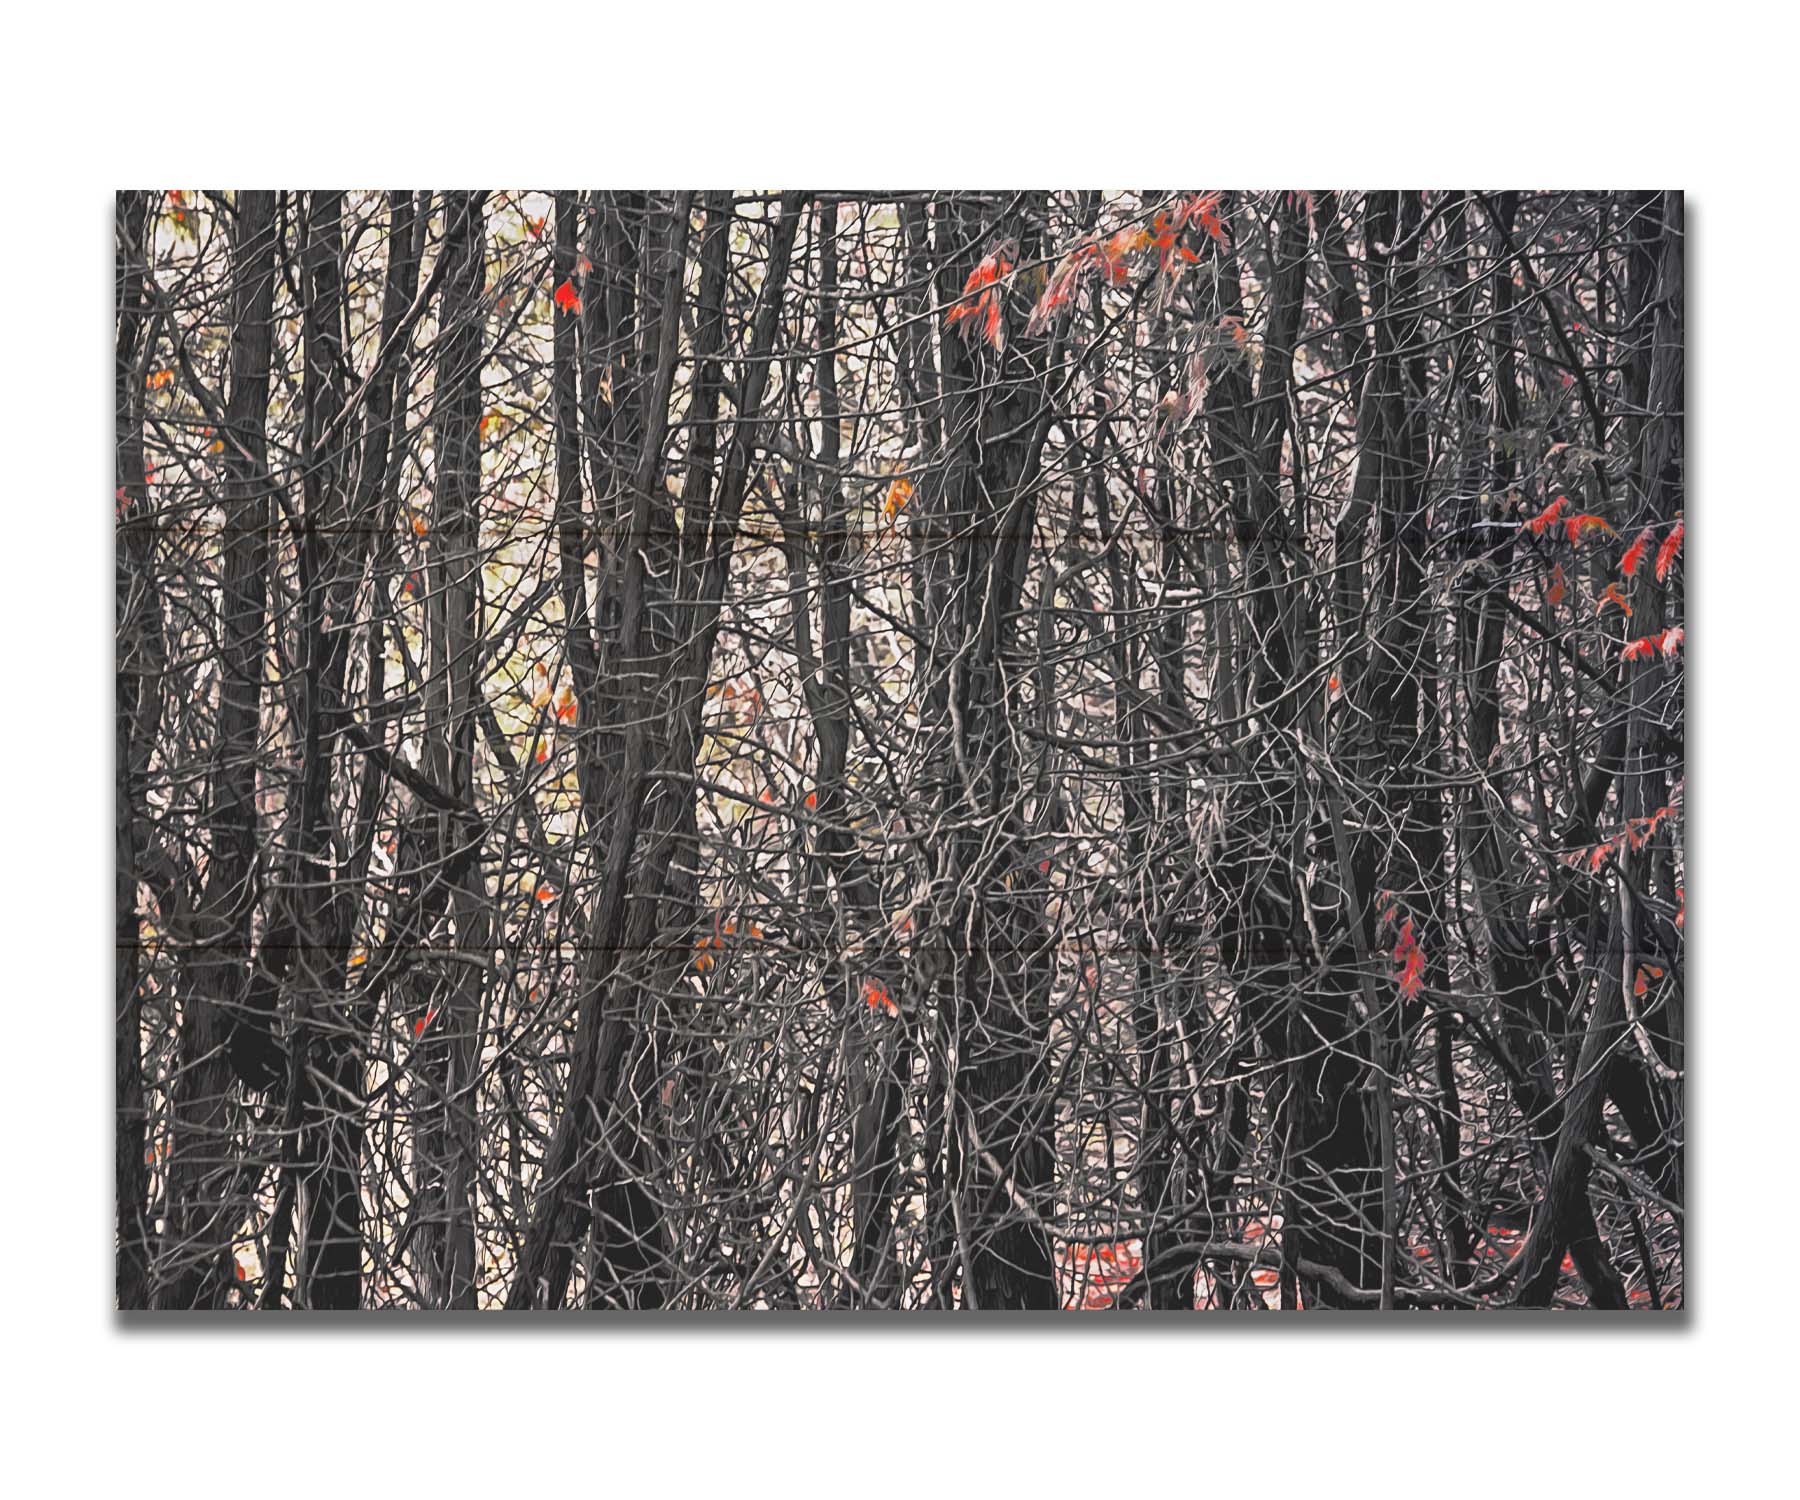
x=1559, y=588
x=1206, y=207
x=1669, y=551
x=1548, y=516
x=567, y=298
x=1579, y=526
x=1634, y=554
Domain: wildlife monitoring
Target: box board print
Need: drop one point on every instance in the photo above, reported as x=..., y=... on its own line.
x=1039, y=750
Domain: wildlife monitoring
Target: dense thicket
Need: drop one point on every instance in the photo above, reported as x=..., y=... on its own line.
x=1005, y=750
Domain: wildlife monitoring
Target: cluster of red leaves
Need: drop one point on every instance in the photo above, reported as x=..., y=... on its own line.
x=1575, y=527
x=1107, y=257
x=979, y=306
x=1634, y=835
x=424, y=1021
x=1167, y=225
x=1665, y=554
x=1410, y=976
x=1646, y=647
x=876, y=997
x=1101, y=1272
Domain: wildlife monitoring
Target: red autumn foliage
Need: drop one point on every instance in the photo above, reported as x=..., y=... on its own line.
x=1548, y=516
x=1646, y=647
x=1577, y=527
x=979, y=306
x=1669, y=551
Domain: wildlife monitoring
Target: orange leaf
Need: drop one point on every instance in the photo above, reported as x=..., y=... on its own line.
x=565, y=706
x=1613, y=595
x=1559, y=588
x=546, y=893
x=159, y=379
x=419, y=526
